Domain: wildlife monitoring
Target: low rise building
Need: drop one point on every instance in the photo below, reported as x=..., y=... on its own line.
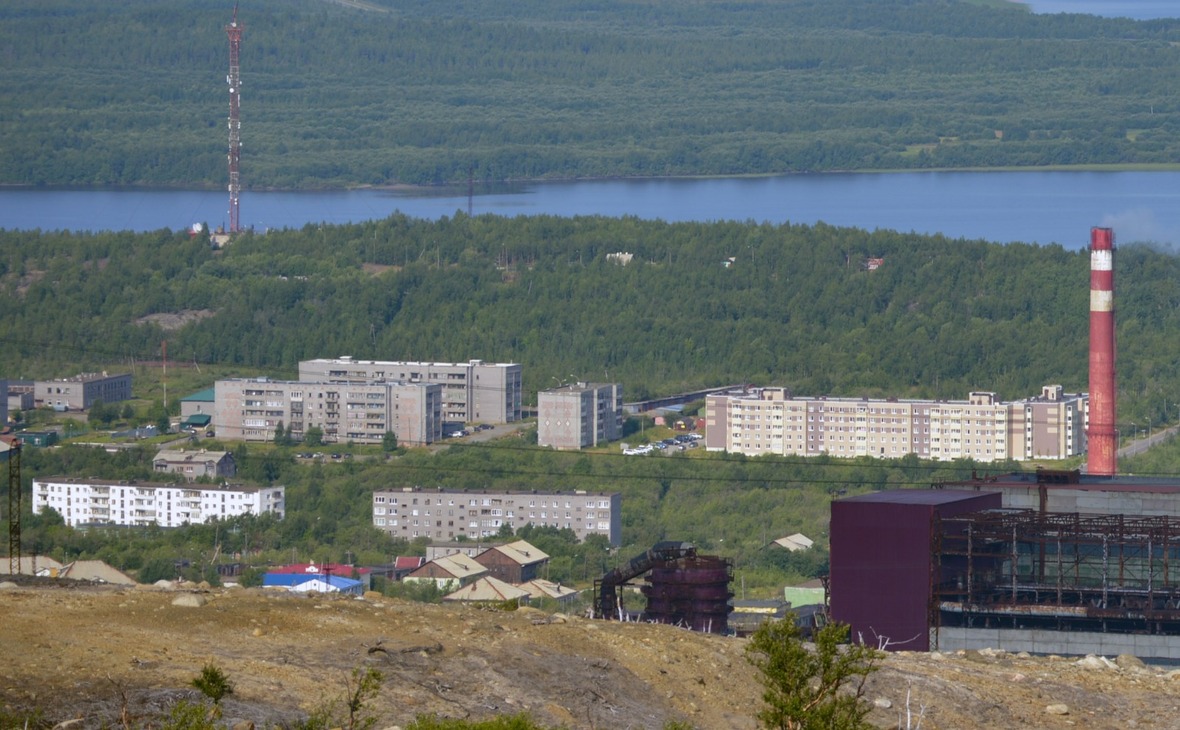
x=515, y=562
x=194, y=464
x=254, y=409
x=984, y=428
x=448, y=573
x=83, y=502
x=412, y=512
x=579, y=415
x=488, y=589
x=81, y=391
x=473, y=392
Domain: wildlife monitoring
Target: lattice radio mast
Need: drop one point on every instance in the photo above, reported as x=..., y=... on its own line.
x=234, y=31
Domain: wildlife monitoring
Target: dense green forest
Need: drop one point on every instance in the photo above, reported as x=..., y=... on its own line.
x=796, y=307
x=428, y=92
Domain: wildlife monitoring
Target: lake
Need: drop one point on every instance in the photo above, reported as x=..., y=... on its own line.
x=1135, y=9
x=1030, y=206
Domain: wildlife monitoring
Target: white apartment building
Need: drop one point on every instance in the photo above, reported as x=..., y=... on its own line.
x=771, y=421
x=360, y=412
x=473, y=392
x=579, y=415
x=128, y=503
x=412, y=512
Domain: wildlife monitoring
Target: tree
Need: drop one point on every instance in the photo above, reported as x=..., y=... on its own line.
x=389, y=441
x=809, y=688
x=280, y=435
x=314, y=436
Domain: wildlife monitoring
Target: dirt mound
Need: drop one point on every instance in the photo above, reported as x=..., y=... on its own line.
x=94, y=652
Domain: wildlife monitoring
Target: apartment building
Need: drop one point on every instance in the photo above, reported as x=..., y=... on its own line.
x=128, y=503
x=473, y=392
x=579, y=415
x=984, y=428
x=358, y=412
x=440, y=514
x=79, y=392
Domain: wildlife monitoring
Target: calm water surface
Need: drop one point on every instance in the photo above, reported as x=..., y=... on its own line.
x=1135, y=9
x=1035, y=207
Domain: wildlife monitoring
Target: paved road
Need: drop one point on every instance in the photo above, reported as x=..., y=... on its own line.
x=1138, y=446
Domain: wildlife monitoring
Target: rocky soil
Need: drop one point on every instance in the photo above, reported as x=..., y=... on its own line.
x=94, y=653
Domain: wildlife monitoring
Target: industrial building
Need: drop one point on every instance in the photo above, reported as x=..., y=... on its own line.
x=86, y=502
x=983, y=428
x=253, y=410
x=81, y=391
x=472, y=392
x=439, y=514
x=578, y=415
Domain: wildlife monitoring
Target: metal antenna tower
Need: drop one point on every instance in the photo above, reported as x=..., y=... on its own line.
x=234, y=31
x=14, y=508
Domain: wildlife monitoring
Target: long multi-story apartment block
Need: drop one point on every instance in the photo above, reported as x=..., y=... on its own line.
x=360, y=412
x=412, y=512
x=84, y=502
x=473, y=392
x=772, y=421
x=580, y=414
x=79, y=392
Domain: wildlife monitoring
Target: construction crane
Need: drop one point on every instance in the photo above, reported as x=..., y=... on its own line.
x=14, y=507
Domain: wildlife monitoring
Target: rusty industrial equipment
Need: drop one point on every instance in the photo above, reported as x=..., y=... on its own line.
x=683, y=588
x=1102, y=436
x=1063, y=571
x=14, y=508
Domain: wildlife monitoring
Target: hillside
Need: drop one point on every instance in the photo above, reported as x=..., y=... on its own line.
x=385, y=91
x=76, y=652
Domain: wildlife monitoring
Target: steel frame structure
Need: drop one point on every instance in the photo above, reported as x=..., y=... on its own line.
x=234, y=31
x=1063, y=571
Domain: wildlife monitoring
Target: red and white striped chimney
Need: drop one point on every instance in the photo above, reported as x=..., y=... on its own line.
x=1102, y=436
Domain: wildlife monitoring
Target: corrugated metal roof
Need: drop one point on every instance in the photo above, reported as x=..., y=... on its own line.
x=548, y=589
x=915, y=496
x=488, y=588
x=521, y=552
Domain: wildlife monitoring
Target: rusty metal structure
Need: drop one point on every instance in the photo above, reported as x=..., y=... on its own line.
x=234, y=33
x=682, y=587
x=14, y=508
x=1102, y=436
x=1005, y=568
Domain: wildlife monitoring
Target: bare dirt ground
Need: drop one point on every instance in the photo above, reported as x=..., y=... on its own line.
x=92, y=652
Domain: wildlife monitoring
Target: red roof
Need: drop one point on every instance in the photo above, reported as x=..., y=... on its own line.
x=408, y=562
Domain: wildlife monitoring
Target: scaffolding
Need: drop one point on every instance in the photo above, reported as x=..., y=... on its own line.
x=1028, y=569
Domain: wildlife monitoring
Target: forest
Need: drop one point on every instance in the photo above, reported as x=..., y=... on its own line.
x=796, y=307
x=400, y=91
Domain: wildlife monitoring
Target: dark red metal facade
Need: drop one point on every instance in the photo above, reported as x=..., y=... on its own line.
x=692, y=592
x=1102, y=436
x=882, y=564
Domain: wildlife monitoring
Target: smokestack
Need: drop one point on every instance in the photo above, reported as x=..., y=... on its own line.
x=1102, y=437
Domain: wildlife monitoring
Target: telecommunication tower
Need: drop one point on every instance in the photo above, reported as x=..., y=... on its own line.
x=234, y=31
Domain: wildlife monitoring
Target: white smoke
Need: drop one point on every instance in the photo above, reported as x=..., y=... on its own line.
x=1139, y=225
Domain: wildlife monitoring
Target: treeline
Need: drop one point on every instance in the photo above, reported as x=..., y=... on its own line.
x=440, y=92
x=797, y=306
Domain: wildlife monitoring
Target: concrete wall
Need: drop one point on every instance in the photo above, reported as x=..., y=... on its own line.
x=1046, y=641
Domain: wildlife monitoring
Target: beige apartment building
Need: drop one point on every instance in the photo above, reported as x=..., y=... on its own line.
x=439, y=514
x=579, y=415
x=984, y=428
x=473, y=392
x=252, y=409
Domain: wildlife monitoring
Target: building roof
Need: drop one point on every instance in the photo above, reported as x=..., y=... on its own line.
x=185, y=456
x=327, y=584
x=205, y=396
x=197, y=419
x=795, y=542
x=931, y=497
x=408, y=562
x=520, y=552
x=1055, y=479
x=488, y=588
x=457, y=566
x=321, y=569
x=548, y=589
x=95, y=570
x=150, y=485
